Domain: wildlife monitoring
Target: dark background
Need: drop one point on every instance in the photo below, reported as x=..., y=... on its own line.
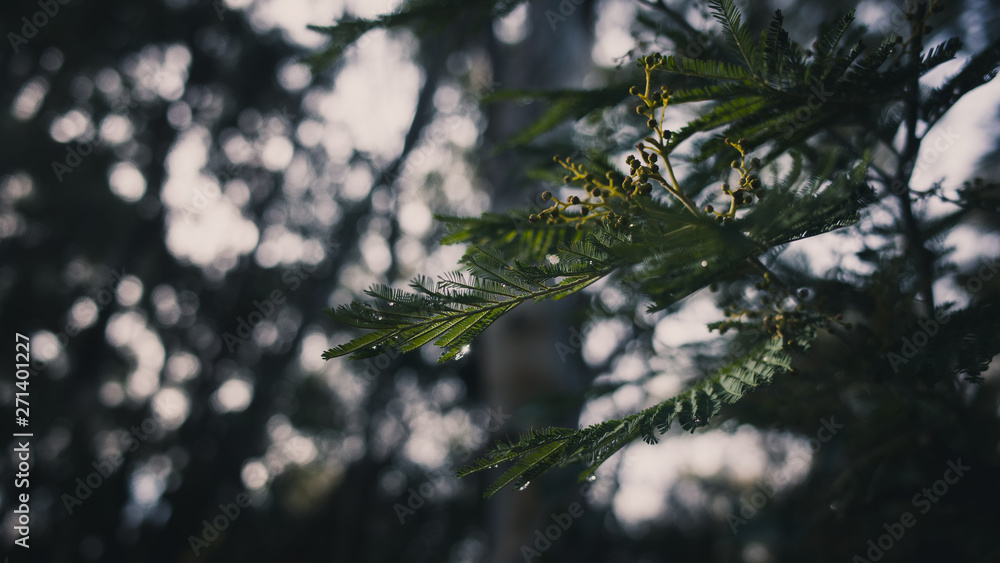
x=343, y=447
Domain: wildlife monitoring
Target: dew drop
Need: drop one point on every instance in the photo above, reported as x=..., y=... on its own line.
x=524, y=486
x=592, y=478
x=704, y=263
x=462, y=353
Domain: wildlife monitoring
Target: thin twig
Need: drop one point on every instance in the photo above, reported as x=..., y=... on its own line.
x=905, y=165
x=674, y=15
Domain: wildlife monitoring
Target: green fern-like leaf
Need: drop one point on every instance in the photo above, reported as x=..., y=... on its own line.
x=538, y=452
x=667, y=254
x=726, y=13
x=707, y=69
x=826, y=46
x=460, y=307
x=940, y=53
x=777, y=51
x=565, y=105
x=511, y=233
x=980, y=69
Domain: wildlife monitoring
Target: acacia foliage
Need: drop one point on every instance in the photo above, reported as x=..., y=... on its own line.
x=800, y=174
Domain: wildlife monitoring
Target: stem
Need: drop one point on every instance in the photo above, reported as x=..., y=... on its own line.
x=756, y=264
x=904, y=169
x=678, y=18
x=659, y=148
x=676, y=191
x=884, y=176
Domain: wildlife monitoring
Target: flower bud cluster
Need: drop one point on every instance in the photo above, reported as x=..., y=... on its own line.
x=748, y=186
x=596, y=205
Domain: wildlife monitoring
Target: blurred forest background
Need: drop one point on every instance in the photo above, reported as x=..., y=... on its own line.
x=181, y=197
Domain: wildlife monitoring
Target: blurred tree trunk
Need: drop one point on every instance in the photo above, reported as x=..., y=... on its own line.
x=519, y=364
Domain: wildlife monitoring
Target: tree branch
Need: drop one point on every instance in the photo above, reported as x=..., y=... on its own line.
x=923, y=259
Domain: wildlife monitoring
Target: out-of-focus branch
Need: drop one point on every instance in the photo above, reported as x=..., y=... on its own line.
x=904, y=167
